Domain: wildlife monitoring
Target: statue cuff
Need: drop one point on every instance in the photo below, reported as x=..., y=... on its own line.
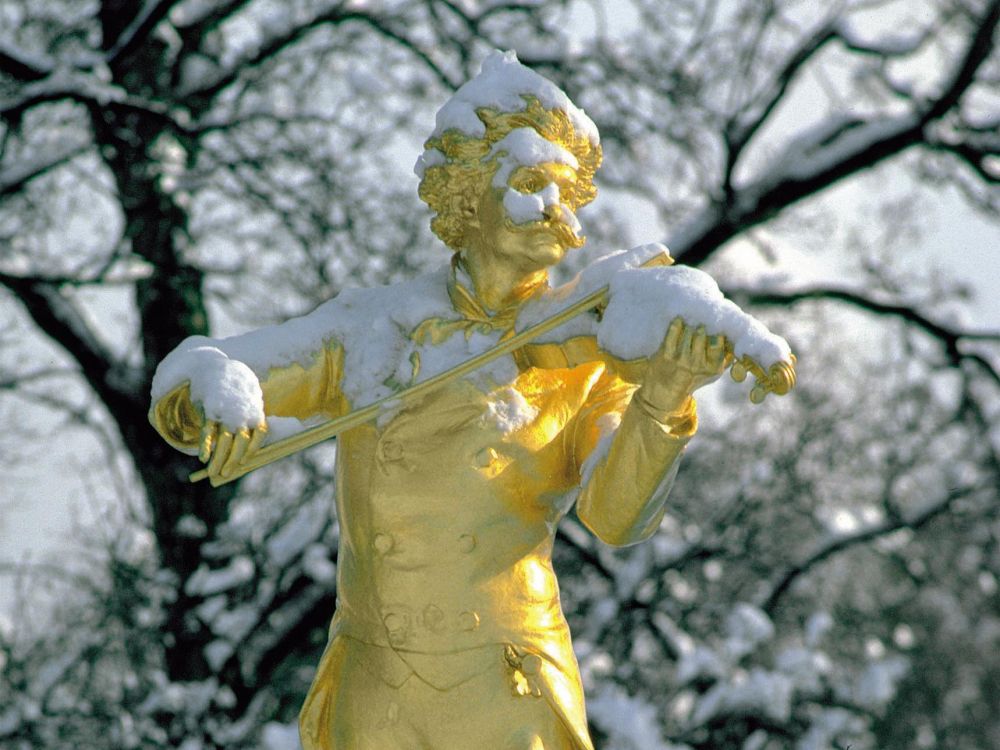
x=680, y=422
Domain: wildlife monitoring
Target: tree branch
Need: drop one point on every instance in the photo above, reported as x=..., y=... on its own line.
x=841, y=543
x=822, y=157
x=13, y=180
x=742, y=127
x=138, y=30
x=951, y=338
x=280, y=41
x=62, y=322
x=975, y=55
x=18, y=65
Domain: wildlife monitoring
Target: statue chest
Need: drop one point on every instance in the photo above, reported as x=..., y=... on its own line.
x=471, y=467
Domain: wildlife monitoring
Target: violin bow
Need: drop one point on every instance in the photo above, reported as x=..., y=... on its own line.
x=778, y=379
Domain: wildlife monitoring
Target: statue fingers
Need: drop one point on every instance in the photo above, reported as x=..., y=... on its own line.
x=717, y=354
x=699, y=347
x=685, y=350
x=671, y=342
x=221, y=452
x=241, y=441
x=257, y=436
x=209, y=433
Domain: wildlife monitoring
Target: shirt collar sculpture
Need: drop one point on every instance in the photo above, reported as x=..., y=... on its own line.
x=448, y=631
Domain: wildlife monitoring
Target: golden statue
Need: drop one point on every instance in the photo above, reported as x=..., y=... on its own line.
x=448, y=631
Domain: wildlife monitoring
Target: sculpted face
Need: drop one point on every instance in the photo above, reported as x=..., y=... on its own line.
x=527, y=224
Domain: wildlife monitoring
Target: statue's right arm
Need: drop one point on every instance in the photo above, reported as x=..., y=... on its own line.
x=195, y=381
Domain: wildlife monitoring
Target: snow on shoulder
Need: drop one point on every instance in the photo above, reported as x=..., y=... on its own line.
x=372, y=327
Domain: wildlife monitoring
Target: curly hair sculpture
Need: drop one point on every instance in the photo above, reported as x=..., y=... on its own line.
x=452, y=189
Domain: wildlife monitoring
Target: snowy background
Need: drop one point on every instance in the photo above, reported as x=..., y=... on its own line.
x=827, y=575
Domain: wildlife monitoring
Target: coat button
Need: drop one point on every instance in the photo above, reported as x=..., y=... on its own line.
x=395, y=625
x=383, y=543
x=433, y=618
x=391, y=450
x=531, y=664
x=393, y=622
x=468, y=621
x=467, y=542
x=485, y=457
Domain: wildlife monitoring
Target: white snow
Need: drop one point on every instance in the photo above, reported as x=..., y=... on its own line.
x=205, y=582
x=235, y=624
x=699, y=661
x=746, y=628
x=524, y=147
x=217, y=653
x=502, y=84
x=509, y=410
x=630, y=723
x=523, y=208
x=227, y=390
x=372, y=325
x=316, y=564
x=289, y=541
x=877, y=684
x=817, y=626
x=655, y=296
x=805, y=667
x=747, y=693
x=277, y=736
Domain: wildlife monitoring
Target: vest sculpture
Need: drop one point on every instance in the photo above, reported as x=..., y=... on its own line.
x=450, y=480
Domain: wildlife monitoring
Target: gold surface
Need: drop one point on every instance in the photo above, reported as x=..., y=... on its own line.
x=448, y=632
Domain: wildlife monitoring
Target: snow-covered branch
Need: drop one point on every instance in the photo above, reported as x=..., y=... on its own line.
x=145, y=20
x=827, y=153
x=866, y=533
x=14, y=178
x=23, y=66
x=952, y=339
x=210, y=84
x=84, y=87
x=60, y=319
x=749, y=120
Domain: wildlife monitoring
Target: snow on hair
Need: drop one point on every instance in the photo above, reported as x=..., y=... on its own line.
x=452, y=186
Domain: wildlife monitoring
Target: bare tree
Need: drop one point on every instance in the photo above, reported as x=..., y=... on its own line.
x=168, y=163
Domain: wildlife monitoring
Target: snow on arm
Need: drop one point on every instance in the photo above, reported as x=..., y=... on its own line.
x=372, y=326
x=596, y=275
x=653, y=297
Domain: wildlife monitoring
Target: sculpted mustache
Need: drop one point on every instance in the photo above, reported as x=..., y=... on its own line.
x=562, y=231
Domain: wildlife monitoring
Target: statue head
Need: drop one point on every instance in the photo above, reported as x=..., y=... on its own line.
x=511, y=132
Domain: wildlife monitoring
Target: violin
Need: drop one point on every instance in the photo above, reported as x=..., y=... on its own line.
x=776, y=376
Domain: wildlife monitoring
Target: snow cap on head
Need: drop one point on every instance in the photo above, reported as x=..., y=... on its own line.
x=505, y=118
x=502, y=84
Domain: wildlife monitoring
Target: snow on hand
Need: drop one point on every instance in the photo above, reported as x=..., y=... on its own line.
x=655, y=296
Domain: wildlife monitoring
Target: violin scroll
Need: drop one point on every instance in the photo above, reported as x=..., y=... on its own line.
x=778, y=379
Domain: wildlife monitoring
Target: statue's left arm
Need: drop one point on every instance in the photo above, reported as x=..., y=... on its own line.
x=625, y=488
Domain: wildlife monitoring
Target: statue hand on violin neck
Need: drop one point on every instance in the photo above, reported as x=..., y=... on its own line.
x=688, y=359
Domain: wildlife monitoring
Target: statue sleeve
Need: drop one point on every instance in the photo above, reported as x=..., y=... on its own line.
x=294, y=390
x=628, y=453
